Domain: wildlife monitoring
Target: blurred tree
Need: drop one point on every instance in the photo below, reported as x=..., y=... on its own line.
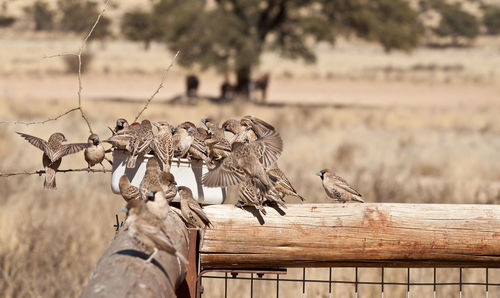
x=230, y=35
x=41, y=14
x=6, y=21
x=456, y=23
x=491, y=19
x=79, y=16
x=138, y=25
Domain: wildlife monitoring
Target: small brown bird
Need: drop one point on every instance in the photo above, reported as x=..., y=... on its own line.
x=141, y=144
x=157, y=203
x=168, y=185
x=250, y=195
x=247, y=160
x=151, y=178
x=198, y=149
x=241, y=133
x=149, y=231
x=259, y=127
x=337, y=188
x=127, y=190
x=163, y=146
x=123, y=138
x=53, y=151
x=191, y=209
x=120, y=125
x=219, y=146
x=95, y=152
x=281, y=182
x=181, y=141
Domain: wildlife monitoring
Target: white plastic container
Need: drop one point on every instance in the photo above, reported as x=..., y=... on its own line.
x=186, y=173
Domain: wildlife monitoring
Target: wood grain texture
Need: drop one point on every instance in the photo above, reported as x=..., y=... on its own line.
x=364, y=235
x=123, y=272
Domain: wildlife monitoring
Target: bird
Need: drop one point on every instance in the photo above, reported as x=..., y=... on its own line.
x=281, y=182
x=157, y=203
x=127, y=190
x=219, y=146
x=259, y=127
x=191, y=209
x=53, y=152
x=149, y=231
x=121, y=124
x=198, y=149
x=241, y=133
x=95, y=152
x=247, y=159
x=151, y=179
x=163, y=146
x=141, y=143
x=250, y=195
x=337, y=188
x=168, y=185
x=123, y=138
x=181, y=141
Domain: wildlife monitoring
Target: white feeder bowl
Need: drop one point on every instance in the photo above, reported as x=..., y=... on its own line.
x=186, y=173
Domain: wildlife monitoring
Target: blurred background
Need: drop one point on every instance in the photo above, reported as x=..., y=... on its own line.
x=400, y=97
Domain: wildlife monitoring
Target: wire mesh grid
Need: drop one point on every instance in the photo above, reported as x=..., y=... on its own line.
x=353, y=282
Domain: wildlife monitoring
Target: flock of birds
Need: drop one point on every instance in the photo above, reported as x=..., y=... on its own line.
x=247, y=160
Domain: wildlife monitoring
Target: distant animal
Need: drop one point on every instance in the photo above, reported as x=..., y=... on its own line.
x=192, y=84
x=337, y=188
x=260, y=84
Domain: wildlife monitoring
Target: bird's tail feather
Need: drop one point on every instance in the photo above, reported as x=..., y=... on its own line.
x=50, y=178
x=358, y=199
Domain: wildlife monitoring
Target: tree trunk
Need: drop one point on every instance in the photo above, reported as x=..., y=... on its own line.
x=243, y=81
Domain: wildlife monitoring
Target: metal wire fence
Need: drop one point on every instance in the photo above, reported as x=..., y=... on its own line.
x=351, y=282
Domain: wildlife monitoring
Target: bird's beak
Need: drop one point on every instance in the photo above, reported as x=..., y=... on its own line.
x=156, y=124
x=319, y=174
x=65, y=140
x=96, y=141
x=124, y=209
x=174, y=129
x=150, y=196
x=204, y=120
x=175, y=183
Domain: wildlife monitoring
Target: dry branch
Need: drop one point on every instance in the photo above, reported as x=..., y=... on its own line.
x=40, y=122
x=164, y=77
x=40, y=172
x=371, y=235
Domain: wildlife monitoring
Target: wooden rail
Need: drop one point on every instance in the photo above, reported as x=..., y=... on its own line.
x=369, y=235
x=123, y=272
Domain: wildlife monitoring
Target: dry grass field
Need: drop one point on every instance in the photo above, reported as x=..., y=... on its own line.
x=404, y=128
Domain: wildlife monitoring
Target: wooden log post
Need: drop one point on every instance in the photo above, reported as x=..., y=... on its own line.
x=370, y=235
x=123, y=272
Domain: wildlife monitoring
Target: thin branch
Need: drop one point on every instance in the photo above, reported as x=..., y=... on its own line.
x=59, y=55
x=40, y=122
x=163, y=79
x=40, y=172
x=80, y=51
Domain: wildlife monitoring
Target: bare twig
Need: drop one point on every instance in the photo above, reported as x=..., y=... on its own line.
x=164, y=77
x=59, y=55
x=40, y=122
x=40, y=172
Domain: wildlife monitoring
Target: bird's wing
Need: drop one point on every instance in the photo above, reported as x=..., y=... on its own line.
x=226, y=174
x=196, y=208
x=37, y=142
x=199, y=145
x=263, y=124
x=341, y=183
x=268, y=148
x=278, y=177
x=68, y=149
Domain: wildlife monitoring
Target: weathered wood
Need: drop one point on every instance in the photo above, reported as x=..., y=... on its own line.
x=372, y=235
x=123, y=272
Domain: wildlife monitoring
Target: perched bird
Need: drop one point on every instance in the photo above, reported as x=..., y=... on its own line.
x=95, y=152
x=120, y=125
x=247, y=160
x=124, y=137
x=337, y=188
x=157, y=203
x=127, y=190
x=181, y=141
x=168, y=185
x=250, y=196
x=53, y=151
x=141, y=143
x=163, y=146
x=149, y=231
x=151, y=178
x=281, y=183
x=219, y=146
x=191, y=209
x=198, y=149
